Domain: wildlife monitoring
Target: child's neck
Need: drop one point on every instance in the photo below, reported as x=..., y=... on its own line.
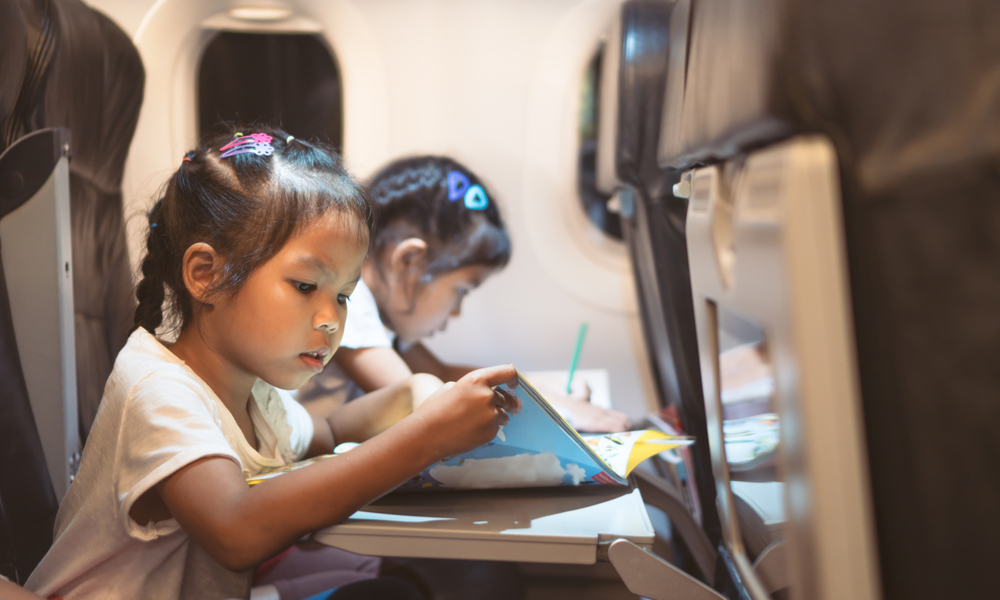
x=231, y=384
x=374, y=282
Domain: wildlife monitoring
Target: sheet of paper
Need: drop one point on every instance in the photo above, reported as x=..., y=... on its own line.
x=596, y=379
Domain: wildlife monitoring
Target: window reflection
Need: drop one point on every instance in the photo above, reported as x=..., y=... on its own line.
x=595, y=203
x=750, y=422
x=751, y=433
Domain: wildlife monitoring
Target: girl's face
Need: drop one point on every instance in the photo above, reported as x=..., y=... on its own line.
x=435, y=303
x=285, y=322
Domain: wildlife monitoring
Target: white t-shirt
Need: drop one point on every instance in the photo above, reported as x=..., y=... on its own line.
x=155, y=417
x=363, y=329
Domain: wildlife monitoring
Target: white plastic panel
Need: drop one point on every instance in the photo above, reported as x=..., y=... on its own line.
x=171, y=39
x=534, y=525
x=38, y=264
x=765, y=242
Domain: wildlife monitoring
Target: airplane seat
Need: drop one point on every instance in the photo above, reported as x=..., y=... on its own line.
x=653, y=225
x=14, y=52
x=61, y=64
x=85, y=52
x=28, y=501
x=905, y=93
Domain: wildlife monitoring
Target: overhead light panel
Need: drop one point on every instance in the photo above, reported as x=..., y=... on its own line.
x=260, y=14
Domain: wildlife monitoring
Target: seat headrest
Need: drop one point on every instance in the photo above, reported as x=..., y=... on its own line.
x=13, y=61
x=642, y=48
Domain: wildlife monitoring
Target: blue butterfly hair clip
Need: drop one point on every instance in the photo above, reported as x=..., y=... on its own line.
x=459, y=186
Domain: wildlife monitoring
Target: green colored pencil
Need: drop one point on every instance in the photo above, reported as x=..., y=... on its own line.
x=576, y=356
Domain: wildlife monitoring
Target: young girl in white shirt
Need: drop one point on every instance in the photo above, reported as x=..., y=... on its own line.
x=256, y=246
x=440, y=235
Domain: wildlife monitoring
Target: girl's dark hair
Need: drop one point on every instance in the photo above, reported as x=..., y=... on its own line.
x=246, y=207
x=412, y=199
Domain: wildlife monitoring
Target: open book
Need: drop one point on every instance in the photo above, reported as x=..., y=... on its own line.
x=538, y=448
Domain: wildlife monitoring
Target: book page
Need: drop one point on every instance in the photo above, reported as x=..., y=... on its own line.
x=537, y=448
x=624, y=451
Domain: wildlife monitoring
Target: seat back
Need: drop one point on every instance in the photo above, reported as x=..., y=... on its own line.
x=62, y=64
x=88, y=77
x=904, y=92
x=653, y=221
x=36, y=347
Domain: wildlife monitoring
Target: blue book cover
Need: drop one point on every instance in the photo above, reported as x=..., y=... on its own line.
x=537, y=448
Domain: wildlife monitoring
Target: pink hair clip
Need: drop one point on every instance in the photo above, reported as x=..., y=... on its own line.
x=255, y=143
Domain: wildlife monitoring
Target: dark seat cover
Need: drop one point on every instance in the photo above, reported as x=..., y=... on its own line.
x=653, y=223
x=64, y=64
x=93, y=85
x=909, y=93
x=27, y=501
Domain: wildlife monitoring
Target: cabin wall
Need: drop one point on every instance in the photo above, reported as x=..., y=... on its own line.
x=494, y=83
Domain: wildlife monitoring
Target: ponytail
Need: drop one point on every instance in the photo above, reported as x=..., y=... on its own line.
x=431, y=197
x=151, y=291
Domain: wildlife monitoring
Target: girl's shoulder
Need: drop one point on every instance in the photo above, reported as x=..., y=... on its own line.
x=146, y=363
x=151, y=389
x=144, y=355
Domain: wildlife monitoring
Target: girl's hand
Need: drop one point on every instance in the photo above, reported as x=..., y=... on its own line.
x=588, y=418
x=422, y=386
x=576, y=407
x=468, y=413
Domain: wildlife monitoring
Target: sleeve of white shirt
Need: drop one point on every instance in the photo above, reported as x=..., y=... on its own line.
x=167, y=424
x=300, y=422
x=364, y=328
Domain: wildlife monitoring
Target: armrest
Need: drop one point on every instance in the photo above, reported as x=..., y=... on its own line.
x=658, y=492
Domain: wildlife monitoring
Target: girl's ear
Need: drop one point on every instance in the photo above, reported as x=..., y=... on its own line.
x=200, y=267
x=407, y=254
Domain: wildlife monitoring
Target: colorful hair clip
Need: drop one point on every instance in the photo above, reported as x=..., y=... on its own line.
x=475, y=198
x=458, y=185
x=288, y=140
x=255, y=143
x=186, y=159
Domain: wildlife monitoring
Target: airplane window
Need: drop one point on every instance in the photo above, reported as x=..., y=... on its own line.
x=750, y=428
x=288, y=79
x=594, y=202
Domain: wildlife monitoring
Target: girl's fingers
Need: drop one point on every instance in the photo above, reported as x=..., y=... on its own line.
x=502, y=417
x=507, y=401
x=494, y=376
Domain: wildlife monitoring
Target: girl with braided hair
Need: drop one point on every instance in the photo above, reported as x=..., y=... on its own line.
x=254, y=250
x=440, y=235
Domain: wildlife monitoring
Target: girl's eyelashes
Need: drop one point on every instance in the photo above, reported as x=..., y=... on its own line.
x=343, y=298
x=305, y=288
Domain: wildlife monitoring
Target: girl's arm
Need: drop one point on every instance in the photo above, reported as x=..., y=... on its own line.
x=366, y=366
x=585, y=416
x=12, y=591
x=373, y=368
x=371, y=414
x=240, y=526
x=421, y=360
